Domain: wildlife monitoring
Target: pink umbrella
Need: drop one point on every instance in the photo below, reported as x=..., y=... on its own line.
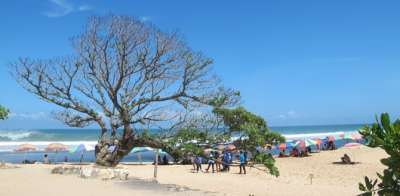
x=25, y=148
x=356, y=136
x=331, y=138
x=352, y=145
x=221, y=147
x=230, y=147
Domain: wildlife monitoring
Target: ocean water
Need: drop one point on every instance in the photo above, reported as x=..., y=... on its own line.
x=10, y=139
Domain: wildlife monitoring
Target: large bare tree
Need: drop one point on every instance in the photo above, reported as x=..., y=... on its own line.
x=124, y=73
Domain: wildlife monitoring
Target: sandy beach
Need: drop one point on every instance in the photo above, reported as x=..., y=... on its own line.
x=328, y=178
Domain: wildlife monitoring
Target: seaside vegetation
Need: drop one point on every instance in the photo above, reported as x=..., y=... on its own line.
x=3, y=113
x=385, y=135
x=251, y=133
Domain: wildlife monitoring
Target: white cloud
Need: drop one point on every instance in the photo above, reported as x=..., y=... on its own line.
x=31, y=116
x=85, y=8
x=289, y=114
x=145, y=18
x=61, y=8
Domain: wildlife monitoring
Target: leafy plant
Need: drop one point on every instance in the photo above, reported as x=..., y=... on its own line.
x=385, y=135
x=253, y=132
x=3, y=113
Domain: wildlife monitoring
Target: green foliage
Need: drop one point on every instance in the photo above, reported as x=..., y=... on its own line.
x=181, y=144
x=3, y=113
x=268, y=161
x=253, y=131
x=385, y=135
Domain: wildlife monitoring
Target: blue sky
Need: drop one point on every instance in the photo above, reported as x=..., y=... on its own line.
x=295, y=62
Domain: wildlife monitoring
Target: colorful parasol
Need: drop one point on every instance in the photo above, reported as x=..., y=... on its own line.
x=352, y=145
x=230, y=147
x=356, y=136
x=310, y=142
x=331, y=138
x=25, y=148
x=81, y=148
x=141, y=149
x=56, y=147
x=221, y=147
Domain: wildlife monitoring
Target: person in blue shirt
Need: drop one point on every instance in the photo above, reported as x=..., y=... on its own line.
x=243, y=162
x=198, y=161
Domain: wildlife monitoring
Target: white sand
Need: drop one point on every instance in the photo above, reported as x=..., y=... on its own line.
x=329, y=179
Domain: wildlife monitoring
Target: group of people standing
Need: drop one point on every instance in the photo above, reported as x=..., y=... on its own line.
x=219, y=162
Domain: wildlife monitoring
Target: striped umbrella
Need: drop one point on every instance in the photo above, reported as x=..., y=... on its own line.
x=310, y=142
x=81, y=148
x=356, y=136
x=331, y=138
x=286, y=145
x=352, y=145
x=141, y=149
x=348, y=136
x=208, y=150
x=230, y=147
x=282, y=146
x=25, y=148
x=318, y=141
x=56, y=147
x=221, y=147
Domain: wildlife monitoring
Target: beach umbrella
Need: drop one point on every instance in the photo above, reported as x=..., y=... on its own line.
x=282, y=146
x=141, y=149
x=300, y=144
x=352, y=145
x=230, y=147
x=208, y=150
x=138, y=151
x=25, y=148
x=356, y=136
x=56, y=147
x=81, y=148
x=221, y=147
x=310, y=142
x=318, y=141
x=347, y=136
x=331, y=138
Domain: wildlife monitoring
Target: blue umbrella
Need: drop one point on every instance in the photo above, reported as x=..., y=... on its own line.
x=81, y=148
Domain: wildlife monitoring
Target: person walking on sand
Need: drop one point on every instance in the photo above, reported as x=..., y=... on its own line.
x=198, y=162
x=193, y=161
x=218, y=161
x=211, y=162
x=243, y=161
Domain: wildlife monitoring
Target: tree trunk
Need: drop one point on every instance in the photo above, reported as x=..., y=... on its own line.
x=110, y=153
